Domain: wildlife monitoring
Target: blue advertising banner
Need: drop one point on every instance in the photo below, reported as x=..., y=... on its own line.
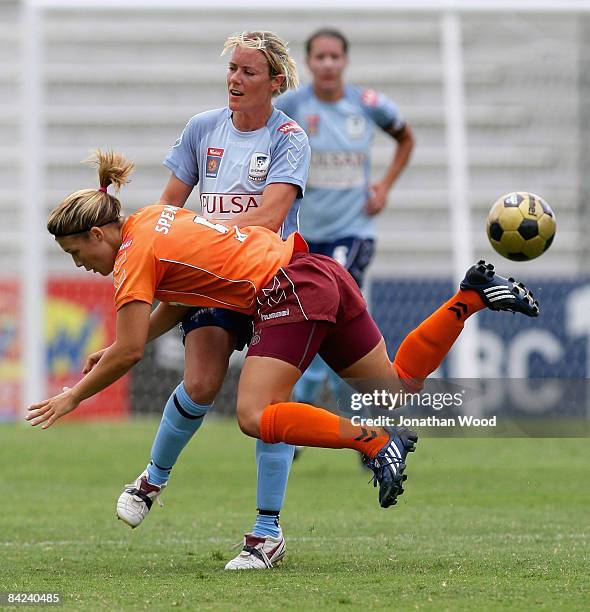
x=556, y=344
x=525, y=362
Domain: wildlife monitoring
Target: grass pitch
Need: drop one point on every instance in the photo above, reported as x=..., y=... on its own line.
x=484, y=524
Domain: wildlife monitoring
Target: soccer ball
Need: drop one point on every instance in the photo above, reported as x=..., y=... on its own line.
x=521, y=226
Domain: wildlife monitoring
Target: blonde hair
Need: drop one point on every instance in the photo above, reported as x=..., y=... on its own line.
x=88, y=208
x=275, y=51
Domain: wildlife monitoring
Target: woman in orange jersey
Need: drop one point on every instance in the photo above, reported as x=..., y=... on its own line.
x=302, y=304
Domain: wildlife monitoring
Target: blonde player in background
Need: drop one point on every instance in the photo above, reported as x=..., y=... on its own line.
x=339, y=210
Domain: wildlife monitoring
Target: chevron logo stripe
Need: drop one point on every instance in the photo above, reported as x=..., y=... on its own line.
x=294, y=159
x=297, y=140
x=460, y=309
x=364, y=433
x=276, y=285
x=371, y=437
x=366, y=436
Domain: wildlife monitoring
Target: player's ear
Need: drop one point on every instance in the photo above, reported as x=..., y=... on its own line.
x=277, y=81
x=97, y=233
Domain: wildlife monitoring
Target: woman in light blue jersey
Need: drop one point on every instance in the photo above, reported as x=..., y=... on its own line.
x=337, y=215
x=250, y=162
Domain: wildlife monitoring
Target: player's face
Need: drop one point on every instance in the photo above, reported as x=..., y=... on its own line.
x=90, y=250
x=249, y=85
x=327, y=62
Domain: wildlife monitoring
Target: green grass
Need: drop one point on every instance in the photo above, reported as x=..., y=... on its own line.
x=484, y=524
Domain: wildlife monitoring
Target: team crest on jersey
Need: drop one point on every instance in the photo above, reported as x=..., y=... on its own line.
x=290, y=126
x=313, y=124
x=258, y=171
x=355, y=126
x=214, y=155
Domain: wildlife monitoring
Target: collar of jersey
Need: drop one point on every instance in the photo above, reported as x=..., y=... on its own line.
x=235, y=130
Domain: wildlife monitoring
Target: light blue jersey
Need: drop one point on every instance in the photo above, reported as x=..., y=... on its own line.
x=232, y=168
x=340, y=134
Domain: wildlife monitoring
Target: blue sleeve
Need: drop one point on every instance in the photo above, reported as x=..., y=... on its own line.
x=383, y=111
x=290, y=159
x=183, y=158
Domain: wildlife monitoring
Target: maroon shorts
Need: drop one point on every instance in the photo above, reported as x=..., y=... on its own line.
x=313, y=305
x=311, y=288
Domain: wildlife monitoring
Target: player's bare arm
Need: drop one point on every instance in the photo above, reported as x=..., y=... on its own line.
x=379, y=190
x=176, y=192
x=277, y=199
x=132, y=330
x=163, y=318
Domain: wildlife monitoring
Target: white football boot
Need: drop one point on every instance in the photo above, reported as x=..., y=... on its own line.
x=259, y=552
x=136, y=500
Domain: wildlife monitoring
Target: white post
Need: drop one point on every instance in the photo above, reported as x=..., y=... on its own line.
x=465, y=352
x=32, y=209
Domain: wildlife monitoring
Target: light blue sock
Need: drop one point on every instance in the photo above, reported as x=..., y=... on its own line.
x=273, y=463
x=181, y=419
x=267, y=524
x=309, y=385
x=342, y=391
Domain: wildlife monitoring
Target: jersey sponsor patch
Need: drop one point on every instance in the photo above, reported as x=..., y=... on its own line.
x=337, y=170
x=290, y=126
x=228, y=205
x=214, y=155
x=258, y=170
x=313, y=124
x=370, y=97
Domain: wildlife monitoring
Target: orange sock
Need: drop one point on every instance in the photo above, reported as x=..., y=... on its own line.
x=423, y=349
x=305, y=425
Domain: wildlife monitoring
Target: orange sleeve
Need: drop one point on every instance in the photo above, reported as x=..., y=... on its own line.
x=134, y=276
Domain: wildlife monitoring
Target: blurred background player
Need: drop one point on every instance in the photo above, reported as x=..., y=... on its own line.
x=250, y=162
x=337, y=216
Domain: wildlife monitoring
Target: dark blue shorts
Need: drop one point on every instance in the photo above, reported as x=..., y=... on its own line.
x=355, y=254
x=236, y=322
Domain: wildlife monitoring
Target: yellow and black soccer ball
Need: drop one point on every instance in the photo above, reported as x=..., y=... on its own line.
x=521, y=226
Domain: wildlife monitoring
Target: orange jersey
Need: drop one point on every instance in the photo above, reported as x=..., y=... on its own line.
x=172, y=255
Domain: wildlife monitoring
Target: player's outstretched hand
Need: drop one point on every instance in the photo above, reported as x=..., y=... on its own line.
x=49, y=410
x=92, y=360
x=377, y=199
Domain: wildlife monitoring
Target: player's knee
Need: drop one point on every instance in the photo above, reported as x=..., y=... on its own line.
x=247, y=418
x=203, y=388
